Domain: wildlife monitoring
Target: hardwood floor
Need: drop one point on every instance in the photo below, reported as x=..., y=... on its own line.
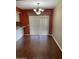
x=37, y=47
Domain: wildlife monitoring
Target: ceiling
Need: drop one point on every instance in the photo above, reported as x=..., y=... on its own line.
x=30, y=4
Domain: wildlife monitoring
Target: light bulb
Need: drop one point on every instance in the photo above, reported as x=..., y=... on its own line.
x=38, y=13
x=34, y=10
x=41, y=9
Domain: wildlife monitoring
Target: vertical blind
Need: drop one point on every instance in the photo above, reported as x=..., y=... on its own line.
x=39, y=25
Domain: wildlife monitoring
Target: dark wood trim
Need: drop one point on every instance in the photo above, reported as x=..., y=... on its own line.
x=51, y=22
x=24, y=21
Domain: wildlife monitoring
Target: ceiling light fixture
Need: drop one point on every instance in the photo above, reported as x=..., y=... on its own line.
x=38, y=10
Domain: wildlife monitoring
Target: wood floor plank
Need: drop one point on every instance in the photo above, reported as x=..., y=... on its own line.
x=37, y=47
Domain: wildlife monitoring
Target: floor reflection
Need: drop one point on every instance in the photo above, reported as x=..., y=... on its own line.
x=37, y=47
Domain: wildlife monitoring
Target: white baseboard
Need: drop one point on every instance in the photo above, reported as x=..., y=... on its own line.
x=56, y=42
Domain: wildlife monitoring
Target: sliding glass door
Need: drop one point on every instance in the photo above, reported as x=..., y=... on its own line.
x=39, y=25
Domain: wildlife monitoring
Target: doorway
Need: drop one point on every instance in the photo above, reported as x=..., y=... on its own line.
x=39, y=25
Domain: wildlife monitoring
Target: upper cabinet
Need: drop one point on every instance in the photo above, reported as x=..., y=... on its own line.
x=17, y=17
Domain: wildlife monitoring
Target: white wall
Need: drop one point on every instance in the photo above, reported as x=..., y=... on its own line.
x=57, y=24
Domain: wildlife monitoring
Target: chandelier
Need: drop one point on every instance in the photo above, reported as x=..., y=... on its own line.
x=38, y=10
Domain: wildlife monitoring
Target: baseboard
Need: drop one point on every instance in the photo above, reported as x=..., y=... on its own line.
x=56, y=42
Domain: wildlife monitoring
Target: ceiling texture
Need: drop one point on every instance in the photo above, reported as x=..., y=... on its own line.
x=31, y=4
